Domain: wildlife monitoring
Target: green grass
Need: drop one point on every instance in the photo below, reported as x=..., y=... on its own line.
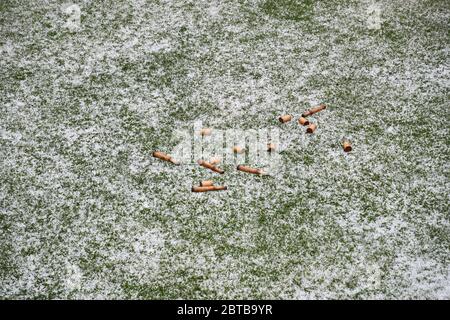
x=295, y=10
x=86, y=212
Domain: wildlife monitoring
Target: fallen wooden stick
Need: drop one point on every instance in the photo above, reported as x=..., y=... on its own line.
x=285, y=118
x=311, y=128
x=208, y=188
x=250, y=170
x=165, y=157
x=310, y=112
x=347, y=145
x=206, y=183
x=210, y=166
x=303, y=121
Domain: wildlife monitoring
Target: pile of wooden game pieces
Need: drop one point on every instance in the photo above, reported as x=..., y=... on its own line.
x=208, y=185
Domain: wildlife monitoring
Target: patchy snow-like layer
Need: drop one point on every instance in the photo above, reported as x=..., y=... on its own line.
x=86, y=212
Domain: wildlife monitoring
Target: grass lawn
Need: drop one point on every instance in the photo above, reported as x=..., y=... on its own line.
x=86, y=212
